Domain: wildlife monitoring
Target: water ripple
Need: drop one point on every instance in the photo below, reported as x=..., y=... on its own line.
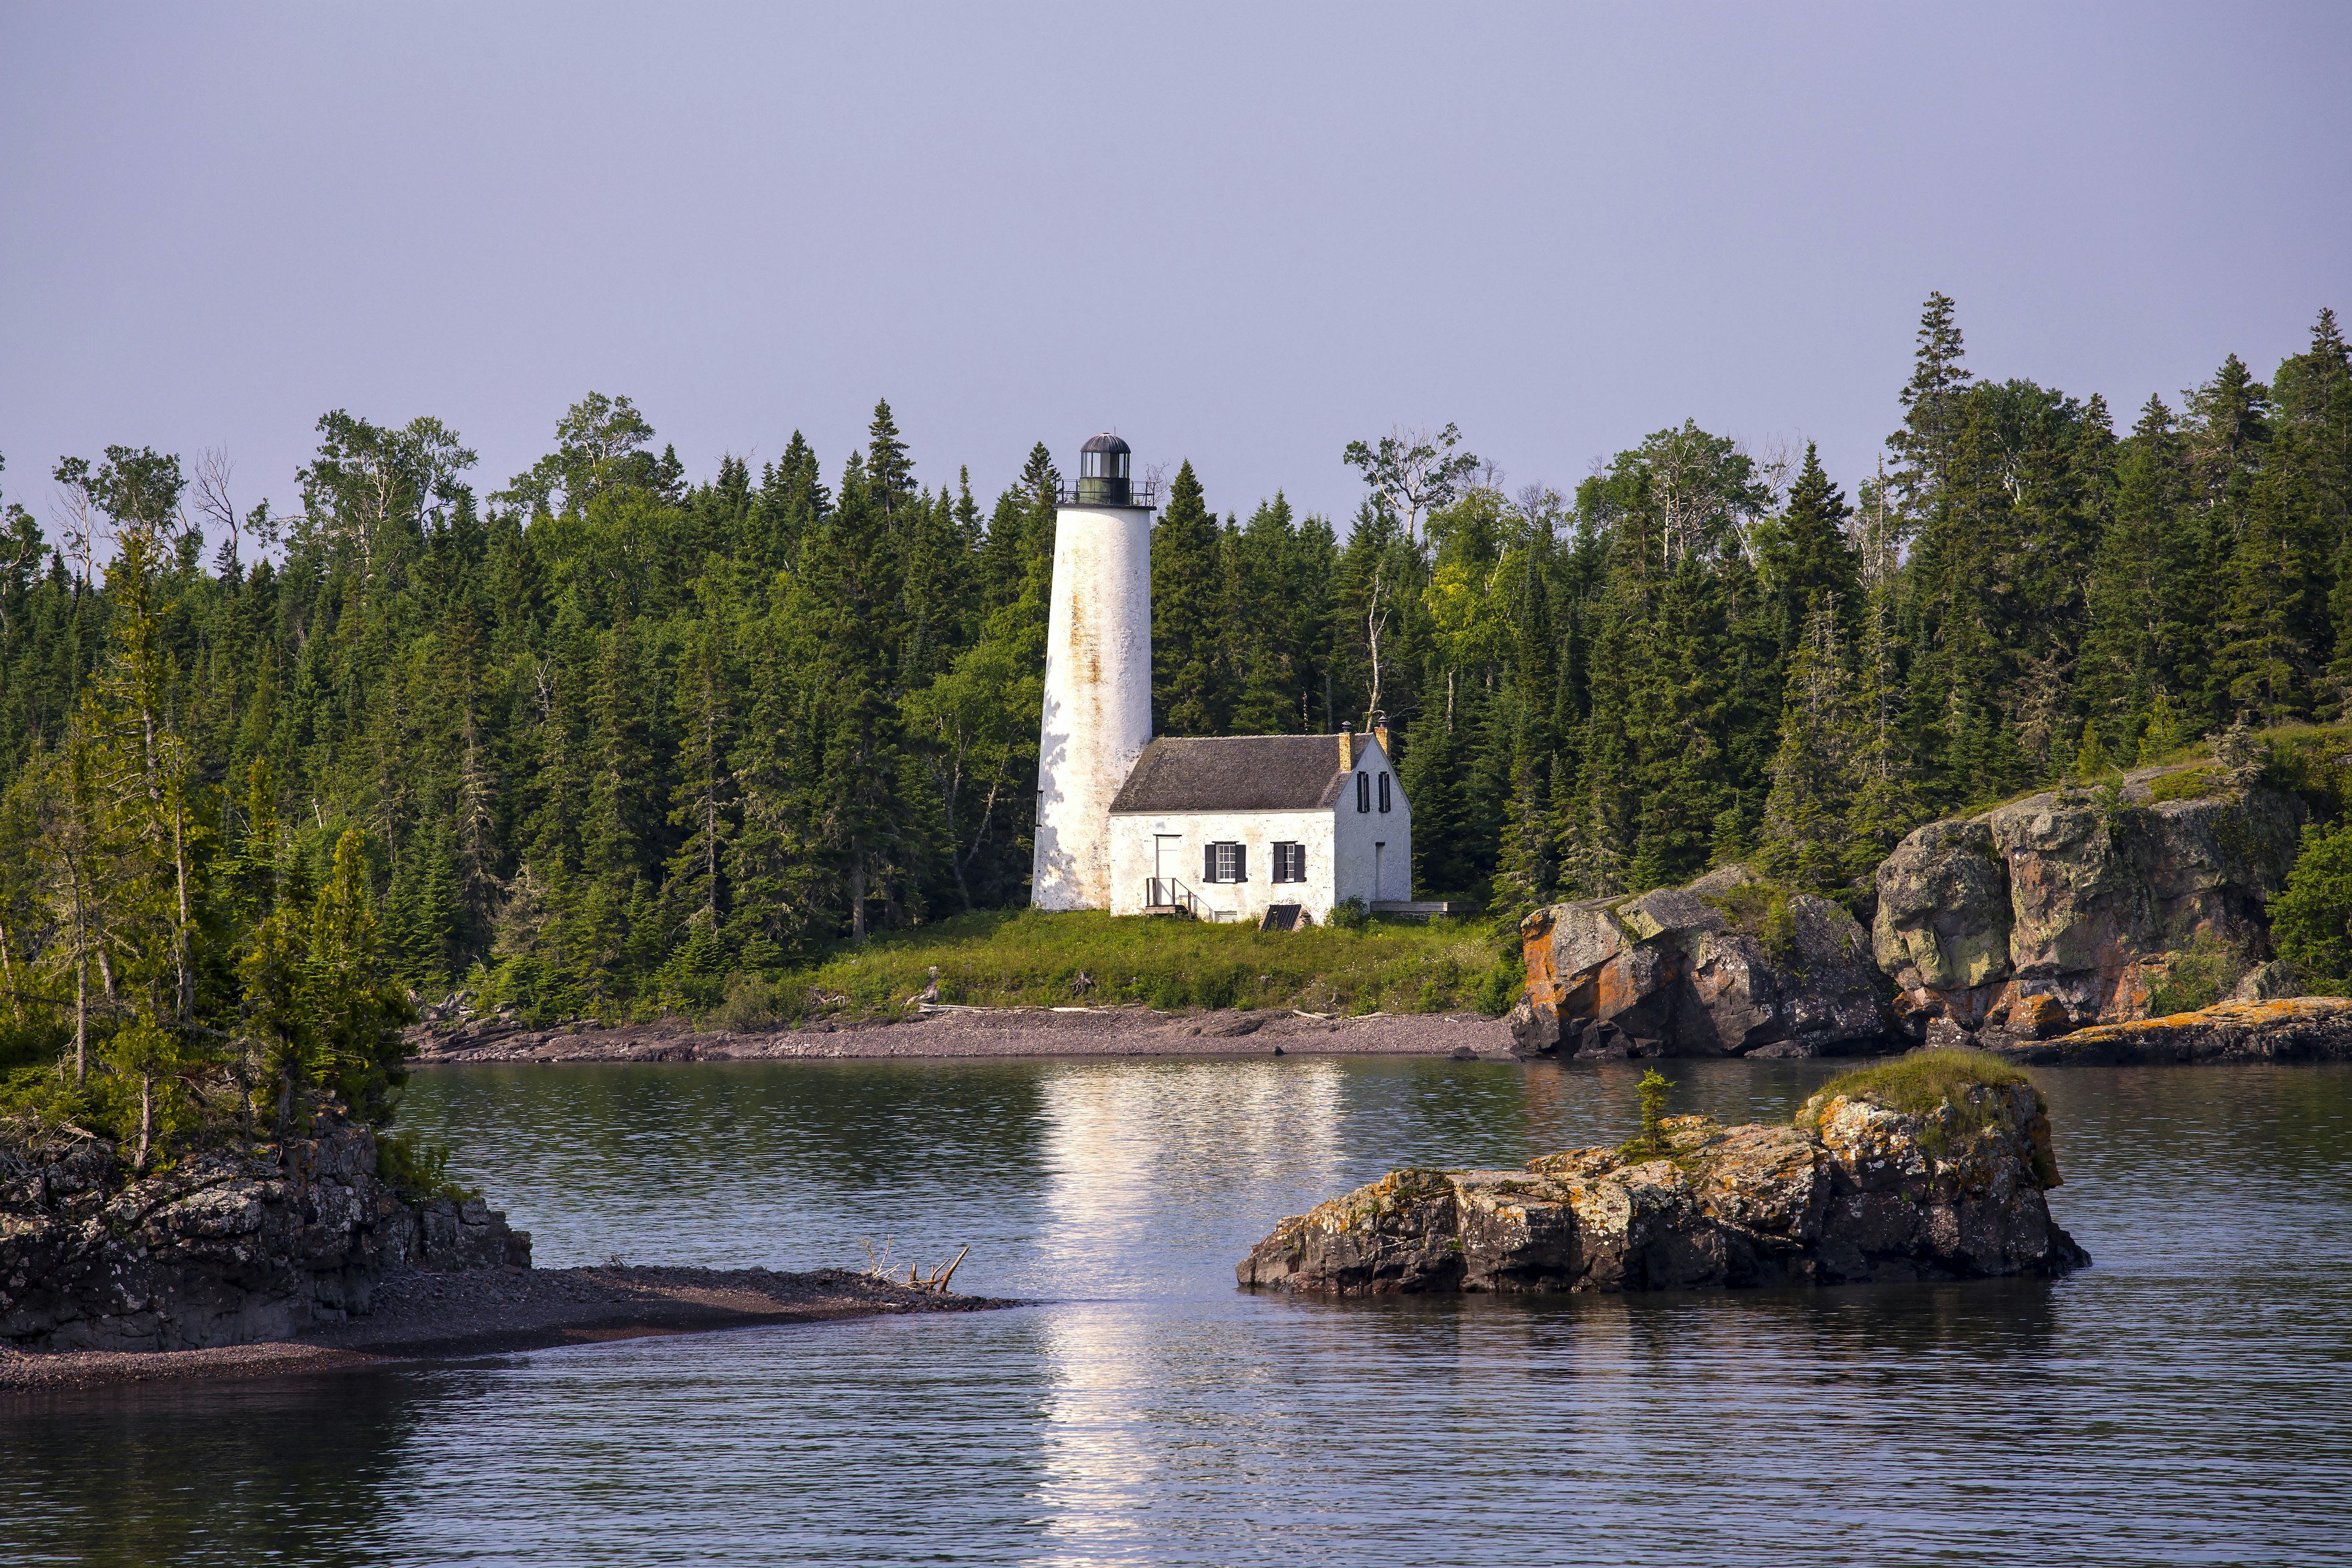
x=2185, y=1401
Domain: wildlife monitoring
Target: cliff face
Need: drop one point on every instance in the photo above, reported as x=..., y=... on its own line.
x=2057, y=912
x=1854, y=1191
x=221, y=1250
x=1727, y=966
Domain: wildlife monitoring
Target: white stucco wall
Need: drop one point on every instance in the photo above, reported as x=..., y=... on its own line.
x=1341, y=852
x=1098, y=715
x=1367, y=842
x=1133, y=850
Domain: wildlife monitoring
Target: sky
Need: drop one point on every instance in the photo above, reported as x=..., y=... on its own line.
x=1240, y=234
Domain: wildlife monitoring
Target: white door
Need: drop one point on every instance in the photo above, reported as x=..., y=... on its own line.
x=1164, y=862
x=1380, y=872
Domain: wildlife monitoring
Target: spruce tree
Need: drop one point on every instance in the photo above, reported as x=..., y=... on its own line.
x=1190, y=689
x=1927, y=447
x=1805, y=815
x=1525, y=874
x=1807, y=561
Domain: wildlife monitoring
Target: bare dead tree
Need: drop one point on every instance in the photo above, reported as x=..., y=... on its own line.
x=76, y=518
x=213, y=469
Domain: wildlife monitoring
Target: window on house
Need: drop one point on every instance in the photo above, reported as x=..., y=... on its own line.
x=1363, y=791
x=1384, y=792
x=1290, y=862
x=1224, y=862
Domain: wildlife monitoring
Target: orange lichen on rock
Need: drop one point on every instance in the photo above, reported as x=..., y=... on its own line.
x=2287, y=1028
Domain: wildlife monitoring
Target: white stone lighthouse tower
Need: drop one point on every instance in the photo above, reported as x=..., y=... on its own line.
x=1097, y=675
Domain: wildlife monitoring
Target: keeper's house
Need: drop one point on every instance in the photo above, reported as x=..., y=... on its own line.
x=1228, y=828
x=1273, y=828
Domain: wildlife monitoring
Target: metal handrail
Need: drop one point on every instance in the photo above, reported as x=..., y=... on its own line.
x=1139, y=492
x=1168, y=893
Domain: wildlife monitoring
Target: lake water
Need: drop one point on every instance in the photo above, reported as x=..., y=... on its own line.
x=2187, y=1400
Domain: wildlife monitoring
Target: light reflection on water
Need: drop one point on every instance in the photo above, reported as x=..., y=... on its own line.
x=2183, y=1401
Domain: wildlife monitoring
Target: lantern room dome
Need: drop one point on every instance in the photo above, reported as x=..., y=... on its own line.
x=1104, y=472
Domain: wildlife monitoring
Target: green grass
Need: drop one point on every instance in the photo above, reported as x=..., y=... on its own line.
x=1025, y=958
x=2189, y=784
x=1918, y=1083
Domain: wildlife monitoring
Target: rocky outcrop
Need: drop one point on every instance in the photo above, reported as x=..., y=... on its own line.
x=1727, y=966
x=223, y=1249
x=2064, y=910
x=2285, y=1029
x=1854, y=1191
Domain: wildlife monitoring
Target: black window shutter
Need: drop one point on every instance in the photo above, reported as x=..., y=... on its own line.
x=1208, y=862
x=1384, y=792
x=1363, y=791
x=1241, y=862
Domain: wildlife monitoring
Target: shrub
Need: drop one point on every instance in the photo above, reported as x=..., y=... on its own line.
x=2311, y=920
x=1351, y=914
x=751, y=1003
x=2198, y=976
x=1504, y=979
x=1760, y=909
x=419, y=1168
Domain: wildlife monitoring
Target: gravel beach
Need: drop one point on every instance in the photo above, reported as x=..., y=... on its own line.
x=1134, y=1031
x=422, y=1315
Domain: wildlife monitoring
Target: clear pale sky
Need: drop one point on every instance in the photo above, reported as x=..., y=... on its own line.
x=1240, y=234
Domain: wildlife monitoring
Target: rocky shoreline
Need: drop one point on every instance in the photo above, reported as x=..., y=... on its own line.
x=232, y=1244
x=303, y=1255
x=2285, y=1029
x=425, y=1315
x=1127, y=1031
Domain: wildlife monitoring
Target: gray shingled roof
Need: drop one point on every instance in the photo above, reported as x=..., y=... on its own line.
x=1234, y=773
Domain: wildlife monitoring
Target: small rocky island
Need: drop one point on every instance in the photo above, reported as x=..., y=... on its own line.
x=304, y=1254
x=1932, y=1166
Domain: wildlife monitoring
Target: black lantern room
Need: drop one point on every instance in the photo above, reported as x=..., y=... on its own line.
x=1103, y=476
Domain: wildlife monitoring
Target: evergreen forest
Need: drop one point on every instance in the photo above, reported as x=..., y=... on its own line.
x=602, y=739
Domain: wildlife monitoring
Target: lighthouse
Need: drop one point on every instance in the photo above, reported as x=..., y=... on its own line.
x=1098, y=717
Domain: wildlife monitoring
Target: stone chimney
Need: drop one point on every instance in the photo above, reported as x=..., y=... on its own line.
x=1346, y=747
x=1380, y=733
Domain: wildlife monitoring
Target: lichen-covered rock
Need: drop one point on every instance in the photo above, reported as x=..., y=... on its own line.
x=223, y=1249
x=1726, y=966
x=1853, y=1192
x=2281, y=1029
x=2269, y=982
x=2062, y=910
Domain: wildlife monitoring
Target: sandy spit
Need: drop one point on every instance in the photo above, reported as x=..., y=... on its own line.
x=1132, y=1031
x=422, y=1315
